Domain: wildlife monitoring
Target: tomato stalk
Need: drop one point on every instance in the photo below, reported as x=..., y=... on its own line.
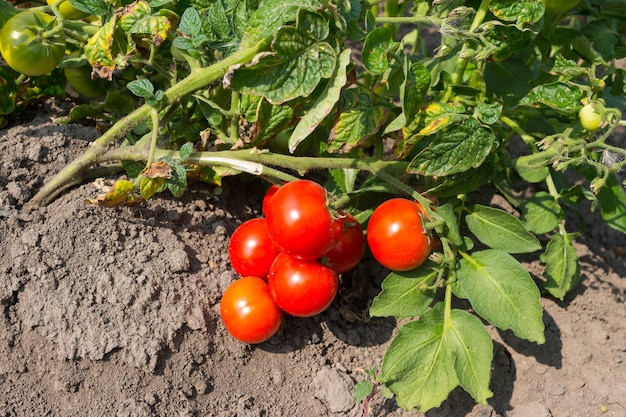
x=196, y=80
x=461, y=63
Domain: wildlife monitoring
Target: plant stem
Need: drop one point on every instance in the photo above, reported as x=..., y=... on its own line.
x=198, y=79
x=461, y=63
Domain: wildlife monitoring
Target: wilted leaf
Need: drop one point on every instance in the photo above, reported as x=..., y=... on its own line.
x=122, y=194
x=158, y=170
x=98, y=50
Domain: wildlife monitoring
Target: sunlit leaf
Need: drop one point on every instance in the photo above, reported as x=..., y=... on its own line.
x=503, y=293
x=562, y=270
x=98, y=50
x=500, y=230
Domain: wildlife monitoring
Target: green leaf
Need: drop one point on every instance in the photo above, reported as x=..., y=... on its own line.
x=354, y=126
x=324, y=104
x=457, y=149
x=344, y=179
x=562, y=270
x=501, y=230
x=95, y=7
x=362, y=389
x=509, y=80
x=405, y=294
x=218, y=19
x=489, y=114
x=190, y=23
x=412, y=94
x=450, y=228
x=430, y=357
x=612, y=198
x=185, y=151
x=377, y=45
x=541, y=213
x=299, y=62
x=271, y=15
x=502, y=292
x=141, y=88
x=177, y=184
x=559, y=96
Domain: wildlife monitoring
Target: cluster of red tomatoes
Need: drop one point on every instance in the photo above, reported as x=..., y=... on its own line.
x=290, y=260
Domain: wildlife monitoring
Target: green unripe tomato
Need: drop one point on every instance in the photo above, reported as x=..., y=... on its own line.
x=589, y=117
x=24, y=46
x=80, y=80
x=68, y=11
x=559, y=6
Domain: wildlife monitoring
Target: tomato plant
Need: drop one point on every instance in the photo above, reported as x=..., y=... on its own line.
x=203, y=90
x=349, y=249
x=248, y=311
x=302, y=288
x=299, y=220
x=250, y=249
x=80, y=80
x=29, y=44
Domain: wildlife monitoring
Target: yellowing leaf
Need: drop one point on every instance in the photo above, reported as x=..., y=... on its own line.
x=122, y=194
x=98, y=50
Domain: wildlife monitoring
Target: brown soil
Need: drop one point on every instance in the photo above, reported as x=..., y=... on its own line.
x=114, y=312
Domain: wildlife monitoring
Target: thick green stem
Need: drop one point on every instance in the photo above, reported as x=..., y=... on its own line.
x=198, y=79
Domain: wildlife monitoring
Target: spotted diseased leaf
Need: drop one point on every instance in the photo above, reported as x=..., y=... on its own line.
x=521, y=12
x=455, y=149
x=122, y=194
x=360, y=120
x=560, y=96
x=150, y=186
x=138, y=19
x=98, y=50
x=562, y=270
x=158, y=170
x=299, y=62
x=429, y=357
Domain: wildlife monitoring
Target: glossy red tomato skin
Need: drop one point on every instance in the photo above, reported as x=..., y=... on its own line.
x=349, y=250
x=302, y=288
x=251, y=250
x=25, y=49
x=299, y=221
x=249, y=312
x=396, y=235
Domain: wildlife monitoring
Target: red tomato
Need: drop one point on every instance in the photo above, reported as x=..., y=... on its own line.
x=299, y=221
x=269, y=194
x=248, y=311
x=348, y=251
x=396, y=235
x=251, y=250
x=302, y=288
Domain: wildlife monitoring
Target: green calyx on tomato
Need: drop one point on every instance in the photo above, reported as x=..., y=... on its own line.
x=30, y=43
x=559, y=6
